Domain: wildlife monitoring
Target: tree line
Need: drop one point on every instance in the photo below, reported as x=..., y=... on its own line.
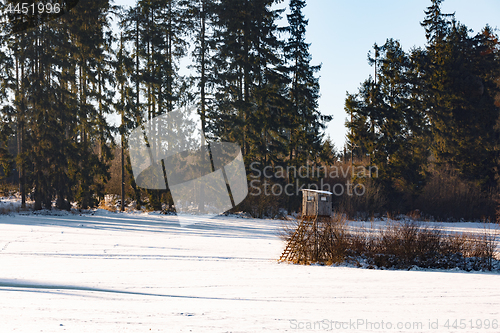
x=64, y=75
x=428, y=118
x=430, y=110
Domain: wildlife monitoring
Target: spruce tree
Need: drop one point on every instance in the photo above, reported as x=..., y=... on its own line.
x=155, y=30
x=52, y=118
x=125, y=106
x=200, y=16
x=306, y=120
x=388, y=121
x=461, y=78
x=245, y=64
x=7, y=111
x=87, y=26
x=306, y=124
x=132, y=29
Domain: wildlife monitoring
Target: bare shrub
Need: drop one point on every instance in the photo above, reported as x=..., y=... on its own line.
x=429, y=245
x=481, y=248
x=400, y=245
x=5, y=210
x=396, y=245
x=334, y=240
x=407, y=244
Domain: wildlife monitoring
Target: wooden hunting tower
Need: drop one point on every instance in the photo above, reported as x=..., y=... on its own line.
x=316, y=203
x=304, y=244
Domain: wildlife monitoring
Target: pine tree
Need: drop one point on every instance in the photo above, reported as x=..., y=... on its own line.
x=48, y=83
x=132, y=29
x=6, y=159
x=439, y=100
x=388, y=119
x=155, y=30
x=38, y=126
x=87, y=25
x=125, y=106
x=305, y=122
x=200, y=15
x=461, y=79
x=245, y=67
x=7, y=111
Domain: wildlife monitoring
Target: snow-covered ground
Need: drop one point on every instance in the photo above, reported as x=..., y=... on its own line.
x=142, y=272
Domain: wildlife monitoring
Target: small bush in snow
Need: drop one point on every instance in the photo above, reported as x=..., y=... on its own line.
x=400, y=245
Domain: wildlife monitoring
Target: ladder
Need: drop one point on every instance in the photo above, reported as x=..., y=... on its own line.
x=305, y=227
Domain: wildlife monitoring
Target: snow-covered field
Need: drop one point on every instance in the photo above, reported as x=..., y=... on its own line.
x=142, y=272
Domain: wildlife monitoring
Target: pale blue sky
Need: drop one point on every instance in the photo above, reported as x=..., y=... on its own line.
x=341, y=33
